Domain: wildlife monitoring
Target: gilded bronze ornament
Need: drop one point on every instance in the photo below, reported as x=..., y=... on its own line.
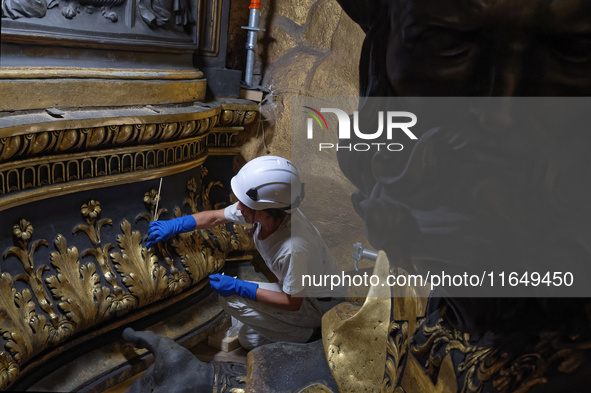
x=115, y=279
x=354, y=337
x=223, y=137
x=44, y=159
x=237, y=117
x=40, y=177
x=85, y=139
x=424, y=355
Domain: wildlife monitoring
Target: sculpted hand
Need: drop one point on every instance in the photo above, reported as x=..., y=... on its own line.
x=161, y=231
x=226, y=286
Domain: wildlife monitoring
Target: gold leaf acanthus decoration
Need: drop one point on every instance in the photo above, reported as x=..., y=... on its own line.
x=82, y=298
x=145, y=278
x=66, y=296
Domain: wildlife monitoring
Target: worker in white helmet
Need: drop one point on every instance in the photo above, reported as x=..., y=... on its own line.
x=269, y=191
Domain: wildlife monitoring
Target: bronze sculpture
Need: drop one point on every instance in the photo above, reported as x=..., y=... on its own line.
x=477, y=49
x=466, y=49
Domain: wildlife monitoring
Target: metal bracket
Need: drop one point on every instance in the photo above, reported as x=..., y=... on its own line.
x=362, y=252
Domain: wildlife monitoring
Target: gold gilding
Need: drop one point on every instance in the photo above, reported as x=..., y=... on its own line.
x=101, y=73
x=234, y=117
x=49, y=162
x=76, y=87
x=43, y=177
x=416, y=381
x=118, y=121
x=113, y=280
x=354, y=338
x=360, y=350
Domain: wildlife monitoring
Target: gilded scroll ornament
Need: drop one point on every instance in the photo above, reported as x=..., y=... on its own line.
x=25, y=253
x=438, y=338
x=24, y=329
x=121, y=301
x=424, y=363
x=9, y=369
x=239, y=240
x=397, y=347
x=178, y=280
x=151, y=200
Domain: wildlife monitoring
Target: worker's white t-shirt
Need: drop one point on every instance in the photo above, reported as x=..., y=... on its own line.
x=295, y=249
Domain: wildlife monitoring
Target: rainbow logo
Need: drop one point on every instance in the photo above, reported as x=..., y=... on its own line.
x=315, y=114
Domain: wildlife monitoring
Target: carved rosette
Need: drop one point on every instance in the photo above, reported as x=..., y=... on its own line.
x=55, y=299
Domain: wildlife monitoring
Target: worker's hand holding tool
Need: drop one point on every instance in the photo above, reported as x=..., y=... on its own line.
x=161, y=231
x=226, y=286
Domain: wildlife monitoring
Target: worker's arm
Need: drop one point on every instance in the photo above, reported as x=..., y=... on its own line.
x=160, y=231
x=209, y=218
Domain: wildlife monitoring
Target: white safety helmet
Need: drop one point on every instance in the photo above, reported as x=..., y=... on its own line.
x=268, y=182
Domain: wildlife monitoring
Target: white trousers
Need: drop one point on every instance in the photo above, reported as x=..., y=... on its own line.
x=264, y=324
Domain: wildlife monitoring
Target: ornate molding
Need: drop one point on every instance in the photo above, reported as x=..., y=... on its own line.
x=29, y=94
x=53, y=300
x=100, y=73
x=88, y=139
x=38, y=178
x=233, y=115
x=221, y=137
x=49, y=158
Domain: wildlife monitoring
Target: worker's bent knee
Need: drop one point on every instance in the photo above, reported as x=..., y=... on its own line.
x=236, y=306
x=250, y=338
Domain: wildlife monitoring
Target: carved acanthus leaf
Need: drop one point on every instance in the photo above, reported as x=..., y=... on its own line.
x=9, y=369
x=29, y=320
x=198, y=259
x=397, y=348
x=241, y=241
x=141, y=273
x=82, y=299
x=17, y=310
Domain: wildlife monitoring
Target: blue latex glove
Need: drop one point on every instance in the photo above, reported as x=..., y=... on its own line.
x=226, y=286
x=161, y=231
